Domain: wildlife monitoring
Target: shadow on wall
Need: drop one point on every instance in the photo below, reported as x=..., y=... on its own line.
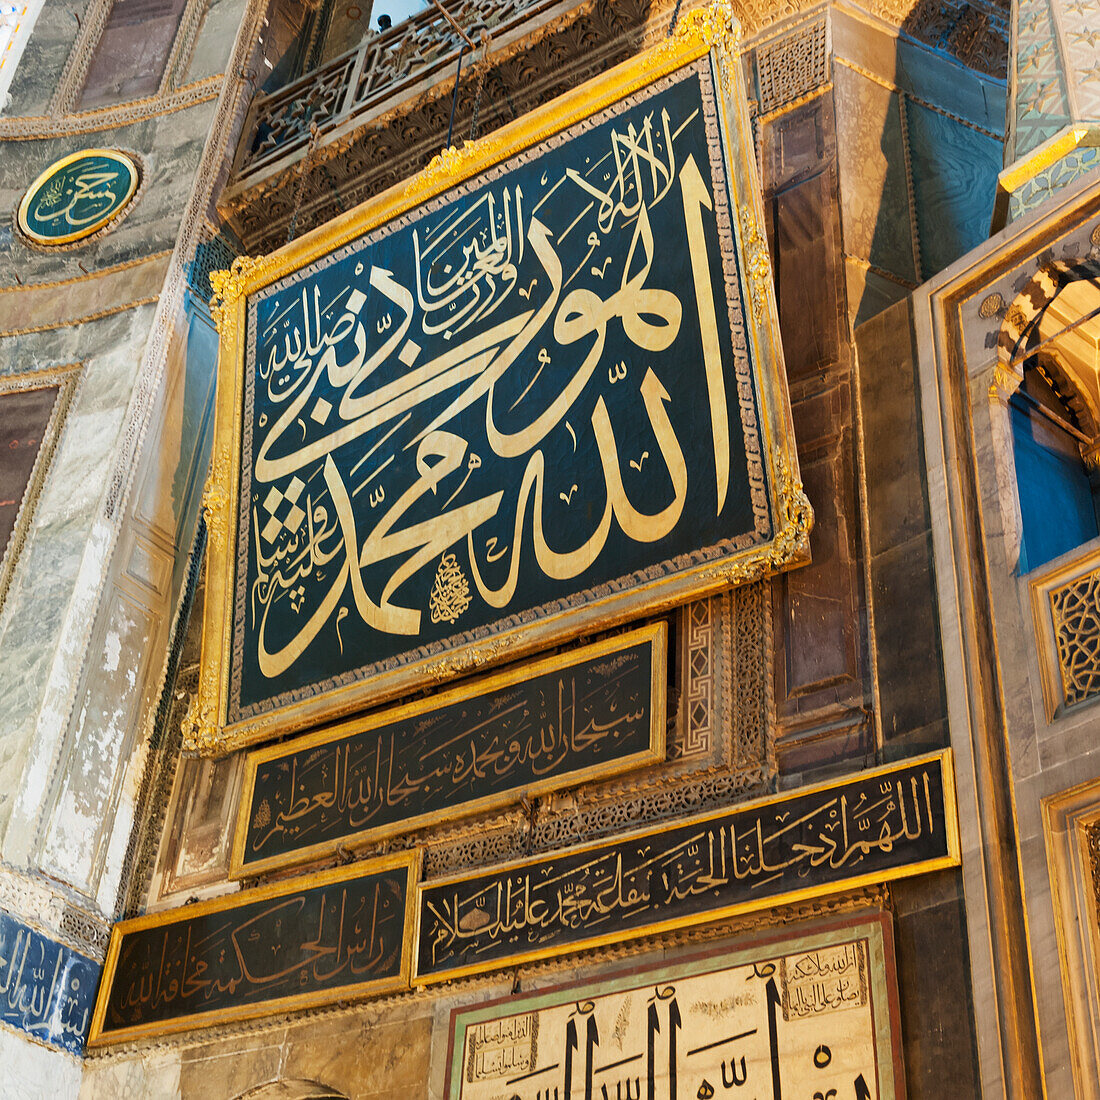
x=943, y=144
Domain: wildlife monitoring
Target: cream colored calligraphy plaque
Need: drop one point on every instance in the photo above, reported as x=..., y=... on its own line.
x=807, y=1016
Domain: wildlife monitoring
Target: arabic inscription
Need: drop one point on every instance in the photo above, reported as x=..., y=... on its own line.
x=534, y=390
x=78, y=196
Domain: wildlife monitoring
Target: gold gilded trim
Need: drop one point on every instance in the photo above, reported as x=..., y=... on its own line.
x=36, y=127
x=98, y=273
x=656, y=635
x=409, y=861
x=87, y=318
x=710, y=31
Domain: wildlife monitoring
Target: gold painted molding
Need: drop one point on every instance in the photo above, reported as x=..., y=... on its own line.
x=82, y=298
x=1020, y=172
x=36, y=127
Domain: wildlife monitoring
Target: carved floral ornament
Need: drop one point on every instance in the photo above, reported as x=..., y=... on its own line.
x=738, y=510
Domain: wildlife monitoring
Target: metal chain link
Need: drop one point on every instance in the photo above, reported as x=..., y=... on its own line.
x=299, y=190
x=483, y=69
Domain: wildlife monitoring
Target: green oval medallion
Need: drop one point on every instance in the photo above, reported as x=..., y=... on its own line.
x=77, y=196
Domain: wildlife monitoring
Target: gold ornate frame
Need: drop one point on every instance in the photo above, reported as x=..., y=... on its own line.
x=711, y=30
x=409, y=860
x=656, y=634
x=952, y=859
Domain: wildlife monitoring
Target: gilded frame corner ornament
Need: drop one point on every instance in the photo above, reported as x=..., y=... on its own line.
x=209, y=728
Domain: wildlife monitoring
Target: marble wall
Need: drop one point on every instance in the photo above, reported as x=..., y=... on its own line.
x=85, y=626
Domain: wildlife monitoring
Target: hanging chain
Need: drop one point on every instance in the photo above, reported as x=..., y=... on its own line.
x=675, y=19
x=299, y=190
x=486, y=38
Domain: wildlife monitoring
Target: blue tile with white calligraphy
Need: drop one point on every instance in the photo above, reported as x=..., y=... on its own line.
x=47, y=990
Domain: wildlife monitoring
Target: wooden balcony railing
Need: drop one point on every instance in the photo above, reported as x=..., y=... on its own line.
x=383, y=68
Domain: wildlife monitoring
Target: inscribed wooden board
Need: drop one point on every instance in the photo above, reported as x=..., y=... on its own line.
x=583, y=715
x=336, y=935
x=869, y=828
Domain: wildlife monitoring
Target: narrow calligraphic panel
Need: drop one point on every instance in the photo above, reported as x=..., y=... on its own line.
x=46, y=989
x=804, y=1016
x=333, y=936
x=544, y=401
x=587, y=714
x=876, y=826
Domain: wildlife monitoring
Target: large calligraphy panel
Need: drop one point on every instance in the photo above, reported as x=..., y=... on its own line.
x=584, y=715
x=813, y=1015
x=336, y=935
x=528, y=397
x=873, y=827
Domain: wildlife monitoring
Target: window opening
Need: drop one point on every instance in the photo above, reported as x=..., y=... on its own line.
x=133, y=51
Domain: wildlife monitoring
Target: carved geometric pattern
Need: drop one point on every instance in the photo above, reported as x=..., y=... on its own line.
x=1079, y=21
x=792, y=65
x=1044, y=184
x=281, y=122
x=563, y=830
x=1075, y=609
x=749, y=644
x=216, y=253
x=1042, y=106
x=699, y=676
x=35, y=901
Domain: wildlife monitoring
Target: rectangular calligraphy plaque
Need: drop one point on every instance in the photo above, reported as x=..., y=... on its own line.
x=872, y=827
x=813, y=1014
x=489, y=413
x=583, y=715
x=332, y=936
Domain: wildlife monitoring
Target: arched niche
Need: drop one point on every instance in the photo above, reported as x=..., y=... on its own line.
x=1046, y=414
x=296, y=1089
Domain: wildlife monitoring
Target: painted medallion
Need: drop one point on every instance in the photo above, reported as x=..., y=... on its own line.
x=77, y=196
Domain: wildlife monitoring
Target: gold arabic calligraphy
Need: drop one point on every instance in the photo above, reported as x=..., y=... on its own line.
x=332, y=373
